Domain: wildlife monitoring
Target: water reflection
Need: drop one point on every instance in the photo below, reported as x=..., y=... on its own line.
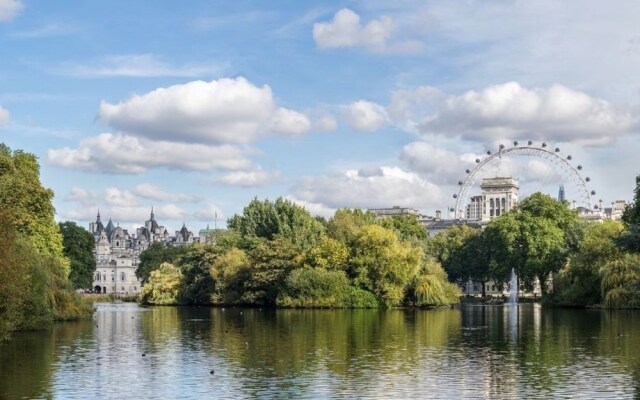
x=474, y=352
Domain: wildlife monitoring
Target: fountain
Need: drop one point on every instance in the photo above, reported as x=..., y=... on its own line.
x=513, y=288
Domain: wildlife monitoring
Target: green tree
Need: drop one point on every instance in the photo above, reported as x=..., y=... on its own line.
x=621, y=282
x=266, y=219
x=631, y=214
x=432, y=288
x=195, y=264
x=78, y=246
x=271, y=263
x=407, y=227
x=382, y=264
x=579, y=282
x=28, y=202
x=155, y=255
x=530, y=239
x=329, y=254
x=462, y=252
x=346, y=224
x=229, y=272
x=163, y=287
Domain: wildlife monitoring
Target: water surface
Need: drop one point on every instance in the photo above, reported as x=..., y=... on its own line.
x=489, y=352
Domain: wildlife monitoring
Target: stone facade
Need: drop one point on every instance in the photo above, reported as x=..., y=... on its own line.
x=117, y=253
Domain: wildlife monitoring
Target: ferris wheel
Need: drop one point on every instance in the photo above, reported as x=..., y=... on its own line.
x=561, y=165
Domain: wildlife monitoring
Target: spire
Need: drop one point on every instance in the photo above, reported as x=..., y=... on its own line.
x=98, y=217
x=151, y=213
x=561, y=196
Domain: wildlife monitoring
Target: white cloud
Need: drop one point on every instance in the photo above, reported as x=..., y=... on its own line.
x=365, y=116
x=4, y=116
x=155, y=192
x=378, y=35
x=253, y=178
x=345, y=30
x=122, y=154
x=77, y=194
x=9, y=9
x=438, y=164
x=133, y=65
x=511, y=111
x=369, y=188
x=289, y=122
x=324, y=122
x=209, y=213
x=221, y=111
x=314, y=208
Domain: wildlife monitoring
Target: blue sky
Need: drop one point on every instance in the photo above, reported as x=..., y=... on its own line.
x=197, y=107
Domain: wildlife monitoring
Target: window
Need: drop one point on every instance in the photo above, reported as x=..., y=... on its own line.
x=98, y=277
x=123, y=277
x=112, y=278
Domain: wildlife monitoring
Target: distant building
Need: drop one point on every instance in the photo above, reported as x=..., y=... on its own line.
x=499, y=196
x=474, y=208
x=395, y=210
x=561, y=196
x=117, y=253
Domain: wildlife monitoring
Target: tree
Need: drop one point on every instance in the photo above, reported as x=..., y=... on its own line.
x=578, y=282
x=264, y=219
x=78, y=246
x=461, y=252
x=346, y=224
x=631, y=214
x=28, y=202
x=164, y=286
x=432, y=288
x=271, y=263
x=621, y=282
x=154, y=256
x=531, y=239
x=229, y=272
x=382, y=264
x=407, y=227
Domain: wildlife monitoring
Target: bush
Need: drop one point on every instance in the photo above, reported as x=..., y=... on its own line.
x=163, y=287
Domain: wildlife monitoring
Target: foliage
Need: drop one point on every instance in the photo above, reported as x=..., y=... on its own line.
x=432, y=288
x=578, y=282
x=34, y=274
x=382, y=264
x=531, y=239
x=621, y=282
x=329, y=253
x=266, y=219
x=346, y=224
x=462, y=252
x=154, y=256
x=315, y=287
x=407, y=227
x=271, y=262
x=229, y=272
x=78, y=246
x=163, y=287
x=195, y=265
x=631, y=214
x=28, y=201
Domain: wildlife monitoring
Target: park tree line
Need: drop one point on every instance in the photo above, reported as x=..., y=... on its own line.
x=577, y=263
x=35, y=288
x=277, y=254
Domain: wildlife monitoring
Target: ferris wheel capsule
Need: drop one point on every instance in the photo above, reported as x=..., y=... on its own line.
x=467, y=170
x=579, y=167
x=530, y=142
x=460, y=183
x=515, y=143
x=557, y=149
x=587, y=179
x=477, y=161
x=569, y=157
x=455, y=196
x=544, y=144
x=593, y=192
x=452, y=209
x=488, y=152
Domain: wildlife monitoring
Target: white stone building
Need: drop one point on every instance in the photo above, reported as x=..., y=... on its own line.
x=118, y=253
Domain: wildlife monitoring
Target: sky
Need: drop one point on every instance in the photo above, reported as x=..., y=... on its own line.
x=196, y=108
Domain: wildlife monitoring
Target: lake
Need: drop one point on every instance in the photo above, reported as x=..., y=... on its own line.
x=526, y=351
